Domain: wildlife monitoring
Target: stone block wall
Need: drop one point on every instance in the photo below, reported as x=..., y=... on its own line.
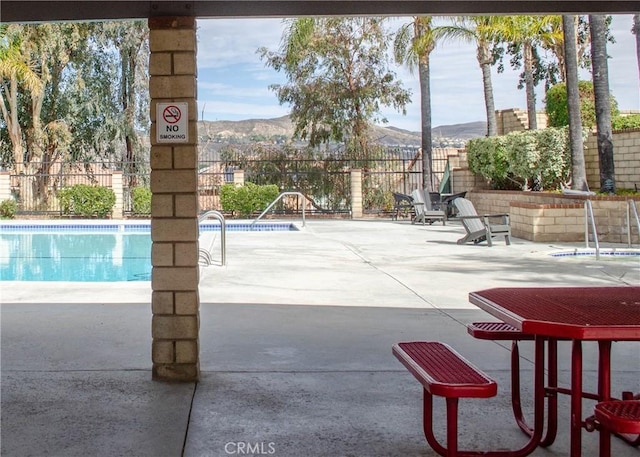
x=516, y=120
x=174, y=205
x=546, y=216
x=626, y=159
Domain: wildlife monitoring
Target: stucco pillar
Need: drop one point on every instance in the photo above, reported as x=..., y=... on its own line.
x=238, y=178
x=116, y=186
x=5, y=185
x=174, y=205
x=356, y=194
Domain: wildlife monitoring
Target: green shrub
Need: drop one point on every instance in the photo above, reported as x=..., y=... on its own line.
x=488, y=157
x=517, y=159
x=85, y=200
x=556, y=105
x=247, y=199
x=8, y=209
x=626, y=122
x=141, y=200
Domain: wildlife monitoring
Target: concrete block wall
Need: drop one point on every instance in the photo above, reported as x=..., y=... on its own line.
x=546, y=216
x=462, y=178
x=174, y=206
x=626, y=159
x=547, y=222
x=516, y=120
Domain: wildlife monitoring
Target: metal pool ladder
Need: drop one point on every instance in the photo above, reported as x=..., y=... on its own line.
x=278, y=198
x=205, y=254
x=589, y=219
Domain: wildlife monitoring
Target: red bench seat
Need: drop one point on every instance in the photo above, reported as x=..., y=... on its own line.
x=444, y=373
x=496, y=331
x=619, y=416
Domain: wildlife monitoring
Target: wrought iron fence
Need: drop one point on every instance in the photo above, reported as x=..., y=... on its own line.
x=322, y=176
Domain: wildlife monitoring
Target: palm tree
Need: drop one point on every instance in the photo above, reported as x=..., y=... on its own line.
x=578, y=172
x=526, y=32
x=600, y=75
x=636, y=31
x=482, y=31
x=412, y=46
x=15, y=71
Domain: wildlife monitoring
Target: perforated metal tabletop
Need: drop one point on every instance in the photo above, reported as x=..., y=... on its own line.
x=584, y=313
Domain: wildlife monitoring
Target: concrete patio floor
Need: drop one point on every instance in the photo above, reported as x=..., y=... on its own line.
x=295, y=343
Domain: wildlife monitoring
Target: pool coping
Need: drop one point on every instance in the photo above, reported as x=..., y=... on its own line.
x=137, y=225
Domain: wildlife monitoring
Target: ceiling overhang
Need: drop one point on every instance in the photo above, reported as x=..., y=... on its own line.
x=87, y=10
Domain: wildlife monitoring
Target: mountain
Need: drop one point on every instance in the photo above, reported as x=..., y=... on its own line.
x=281, y=129
x=465, y=131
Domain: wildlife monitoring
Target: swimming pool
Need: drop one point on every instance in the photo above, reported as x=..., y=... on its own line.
x=103, y=251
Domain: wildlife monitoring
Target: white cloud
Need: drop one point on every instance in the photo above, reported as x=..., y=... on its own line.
x=225, y=41
x=209, y=89
x=216, y=110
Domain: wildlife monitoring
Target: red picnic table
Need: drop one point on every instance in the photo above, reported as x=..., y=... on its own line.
x=600, y=314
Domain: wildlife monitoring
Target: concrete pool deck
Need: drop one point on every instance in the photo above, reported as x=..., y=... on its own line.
x=295, y=343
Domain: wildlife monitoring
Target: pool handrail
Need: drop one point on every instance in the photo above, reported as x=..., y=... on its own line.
x=590, y=218
x=206, y=254
x=278, y=198
x=631, y=207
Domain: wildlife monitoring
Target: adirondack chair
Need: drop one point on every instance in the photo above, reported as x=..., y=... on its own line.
x=424, y=210
x=479, y=228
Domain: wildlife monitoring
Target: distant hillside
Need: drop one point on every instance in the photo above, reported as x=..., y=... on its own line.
x=465, y=131
x=281, y=128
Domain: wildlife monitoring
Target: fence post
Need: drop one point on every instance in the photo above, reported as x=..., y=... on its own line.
x=238, y=177
x=116, y=186
x=5, y=185
x=356, y=194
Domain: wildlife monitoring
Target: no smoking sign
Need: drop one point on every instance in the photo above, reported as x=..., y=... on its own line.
x=172, y=122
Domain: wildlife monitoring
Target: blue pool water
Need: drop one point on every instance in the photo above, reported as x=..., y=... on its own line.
x=86, y=252
x=75, y=257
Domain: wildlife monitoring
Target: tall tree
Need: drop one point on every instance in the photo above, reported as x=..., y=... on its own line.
x=481, y=31
x=578, y=171
x=525, y=33
x=600, y=74
x=16, y=72
x=48, y=136
x=413, y=45
x=636, y=31
x=131, y=40
x=338, y=78
x=71, y=115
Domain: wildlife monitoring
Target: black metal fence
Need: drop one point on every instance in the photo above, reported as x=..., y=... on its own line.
x=324, y=177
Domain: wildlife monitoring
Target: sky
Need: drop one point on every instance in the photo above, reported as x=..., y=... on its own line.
x=233, y=82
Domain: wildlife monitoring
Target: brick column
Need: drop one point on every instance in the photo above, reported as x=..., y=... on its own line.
x=356, y=194
x=174, y=205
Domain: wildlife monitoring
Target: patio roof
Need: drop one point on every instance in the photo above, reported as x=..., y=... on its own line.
x=47, y=11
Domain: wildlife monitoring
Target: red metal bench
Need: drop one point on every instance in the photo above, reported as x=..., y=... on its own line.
x=621, y=417
x=501, y=331
x=444, y=373
x=496, y=331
